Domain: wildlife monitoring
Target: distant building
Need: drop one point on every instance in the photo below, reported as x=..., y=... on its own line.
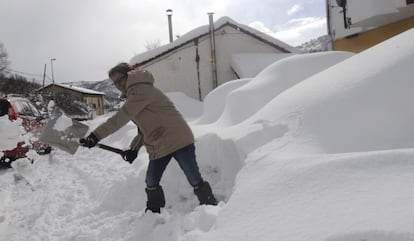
x=199, y=61
x=93, y=99
x=356, y=25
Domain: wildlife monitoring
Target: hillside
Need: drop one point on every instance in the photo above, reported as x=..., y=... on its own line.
x=317, y=45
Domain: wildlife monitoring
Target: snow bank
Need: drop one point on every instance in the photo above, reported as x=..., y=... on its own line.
x=11, y=133
x=189, y=107
x=276, y=78
x=214, y=102
x=321, y=197
x=249, y=65
x=350, y=108
x=292, y=177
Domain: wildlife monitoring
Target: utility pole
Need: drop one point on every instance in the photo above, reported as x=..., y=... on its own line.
x=53, y=80
x=44, y=76
x=51, y=66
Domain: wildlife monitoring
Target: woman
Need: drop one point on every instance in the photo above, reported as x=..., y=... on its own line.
x=162, y=130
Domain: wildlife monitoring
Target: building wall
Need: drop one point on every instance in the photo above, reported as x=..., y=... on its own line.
x=360, y=11
x=176, y=71
x=230, y=41
x=179, y=71
x=372, y=37
x=96, y=102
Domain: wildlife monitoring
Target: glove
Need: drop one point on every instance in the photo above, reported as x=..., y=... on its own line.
x=129, y=155
x=90, y=141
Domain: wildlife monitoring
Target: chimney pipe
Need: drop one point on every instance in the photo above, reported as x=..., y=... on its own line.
x=213, y=50
x=169, y=15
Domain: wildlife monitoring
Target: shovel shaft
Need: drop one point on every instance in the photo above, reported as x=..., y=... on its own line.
x=110, y=148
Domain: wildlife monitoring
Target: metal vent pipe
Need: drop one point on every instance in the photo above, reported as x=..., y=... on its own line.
x=169, y=15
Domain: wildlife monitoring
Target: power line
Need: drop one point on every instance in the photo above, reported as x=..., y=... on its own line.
x=24, y=73
x=20, y=72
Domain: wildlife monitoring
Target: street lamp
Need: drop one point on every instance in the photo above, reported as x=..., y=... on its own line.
x=169, y=14
x=51, y=67
x=53, y=79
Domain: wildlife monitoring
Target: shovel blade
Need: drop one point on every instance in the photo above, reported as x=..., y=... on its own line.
x=63, y=132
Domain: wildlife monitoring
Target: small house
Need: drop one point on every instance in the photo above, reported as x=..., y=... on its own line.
x=76, y=95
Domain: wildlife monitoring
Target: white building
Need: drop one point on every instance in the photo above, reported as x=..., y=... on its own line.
x=355, y=25
x=198, y=61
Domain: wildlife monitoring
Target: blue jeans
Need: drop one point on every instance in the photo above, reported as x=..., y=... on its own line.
x=186, y=160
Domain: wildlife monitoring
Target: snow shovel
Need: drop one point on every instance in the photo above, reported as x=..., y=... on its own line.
x=110, y=148
x=62, y=132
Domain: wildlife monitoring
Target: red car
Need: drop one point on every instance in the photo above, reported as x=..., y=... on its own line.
x=31, y=120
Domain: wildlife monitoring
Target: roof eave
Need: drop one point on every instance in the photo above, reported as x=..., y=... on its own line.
x=226, y=23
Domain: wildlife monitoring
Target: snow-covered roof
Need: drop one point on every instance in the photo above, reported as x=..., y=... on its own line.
x=204, y=30
x=78, y=89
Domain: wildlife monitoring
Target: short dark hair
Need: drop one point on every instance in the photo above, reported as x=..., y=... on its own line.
x=122, y=68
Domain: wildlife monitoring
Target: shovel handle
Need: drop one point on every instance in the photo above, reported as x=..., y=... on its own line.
x=110, y=148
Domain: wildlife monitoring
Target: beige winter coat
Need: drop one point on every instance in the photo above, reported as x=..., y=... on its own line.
x=161, y=128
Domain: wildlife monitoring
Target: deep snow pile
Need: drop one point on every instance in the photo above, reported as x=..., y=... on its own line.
x=320, y=152
x=11, y=133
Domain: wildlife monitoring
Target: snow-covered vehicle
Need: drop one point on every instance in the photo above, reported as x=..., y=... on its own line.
x=21, y=125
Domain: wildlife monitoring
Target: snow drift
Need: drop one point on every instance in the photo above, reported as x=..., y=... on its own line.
x=326, y=156
x=273, y=80
x=359, y=104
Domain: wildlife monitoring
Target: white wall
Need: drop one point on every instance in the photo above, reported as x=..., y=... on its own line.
x=230, y=41
x=177, y=71
x=167, y=71
x=362, y=10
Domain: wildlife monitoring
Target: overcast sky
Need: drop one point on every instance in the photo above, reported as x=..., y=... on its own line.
x=87, y=37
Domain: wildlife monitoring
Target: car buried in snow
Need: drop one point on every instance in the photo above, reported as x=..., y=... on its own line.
x=29, y=121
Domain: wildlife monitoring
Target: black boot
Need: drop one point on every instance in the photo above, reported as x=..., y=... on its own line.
x=156, y=199
x=5, y=164
x=204, y=194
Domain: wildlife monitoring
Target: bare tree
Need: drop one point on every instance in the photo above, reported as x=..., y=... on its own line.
x=4, y=62
x=153, y=44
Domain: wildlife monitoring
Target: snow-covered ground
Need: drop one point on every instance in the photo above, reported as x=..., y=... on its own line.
x=318, y=147
x=11, y=133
